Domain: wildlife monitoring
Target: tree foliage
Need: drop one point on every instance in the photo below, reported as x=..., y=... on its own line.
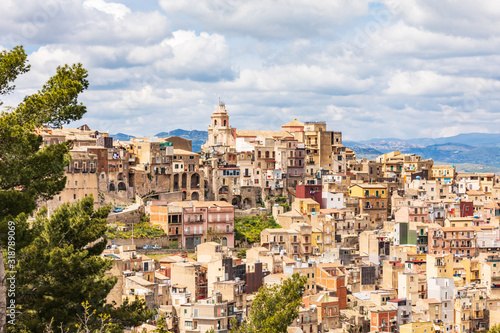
x=274, y=308
x=494, y=329
x=250, y=227
x=58, y=267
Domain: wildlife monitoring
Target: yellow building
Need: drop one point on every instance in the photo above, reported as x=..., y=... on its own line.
x=444, y=173
x=420, y=327
x=368, y=190
x=472, y=271
x=317, y=240
x=469, y=305
x=306, y=206
x=458, y=222
x=440, y=266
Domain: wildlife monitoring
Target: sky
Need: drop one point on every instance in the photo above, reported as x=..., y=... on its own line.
x=371, y=69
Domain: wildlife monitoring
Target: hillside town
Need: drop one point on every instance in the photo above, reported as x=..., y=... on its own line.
x=393, y=244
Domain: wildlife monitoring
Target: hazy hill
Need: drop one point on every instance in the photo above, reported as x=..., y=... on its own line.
x=198, y=138
x=121, y=137
x=470, y=148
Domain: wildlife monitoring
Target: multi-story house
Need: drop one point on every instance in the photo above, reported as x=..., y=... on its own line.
x=190, y=223
x=207, y=314
x=442, y=290
x=81, y=180
x=458, y=241
x=470, y=306
x=443, y=173
x=193, y=276
x=372, y=199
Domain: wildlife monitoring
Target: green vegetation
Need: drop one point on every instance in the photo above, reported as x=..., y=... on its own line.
x=494, y=329
x=242, y=254
x=141, y=230
x=275, y=308
x=58, y=272
x=249, y=227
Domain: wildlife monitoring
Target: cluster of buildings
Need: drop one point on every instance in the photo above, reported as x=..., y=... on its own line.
x=394, y=244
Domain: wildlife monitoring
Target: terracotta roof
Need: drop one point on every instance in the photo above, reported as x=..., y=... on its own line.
x=295, y=123
x=184, y=152
x=474, y=192
x=201, y=203
x=457, y=229
x=363, y=185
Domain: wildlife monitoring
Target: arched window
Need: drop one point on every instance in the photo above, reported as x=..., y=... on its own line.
x=215, y=122
x=225, y=122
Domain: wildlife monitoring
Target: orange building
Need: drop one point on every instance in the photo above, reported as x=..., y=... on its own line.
x=330, y=277
x=383, y=319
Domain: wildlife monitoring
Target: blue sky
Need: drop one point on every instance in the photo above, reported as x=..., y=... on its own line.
x=413, y=68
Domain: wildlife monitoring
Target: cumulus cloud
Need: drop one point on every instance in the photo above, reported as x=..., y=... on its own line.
x=370, y=69
x=269, y=19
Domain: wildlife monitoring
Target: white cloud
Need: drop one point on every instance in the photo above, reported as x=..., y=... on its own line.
x=368, y=70
x=269, y=19
x=117, y=10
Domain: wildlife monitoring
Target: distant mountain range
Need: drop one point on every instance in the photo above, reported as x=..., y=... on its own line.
x=197, y=138
x=471, y=148
x=121, y=137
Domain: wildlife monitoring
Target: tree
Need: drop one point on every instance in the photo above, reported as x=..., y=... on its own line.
x=494, y=329
x=28, y=173
x=275, y=308
x=56, y=259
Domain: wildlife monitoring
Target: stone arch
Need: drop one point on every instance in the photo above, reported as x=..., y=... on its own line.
x=176, y=182
x=120, y=176
x=184, y=180
x=122, y=186
x=223, y=199
x=195, y=180
x=112, y=187
x=223, y=190
x=235, y=202
x=247, y=203
x=224, y=241
x=195, y=196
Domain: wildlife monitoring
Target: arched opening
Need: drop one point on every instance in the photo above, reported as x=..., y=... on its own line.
x=224, y=241
x=215, y=122
x=184, y=195
x=247, y=203
x=223, y=199
x=195, y=181
x=112, y=187
x=120, y=176
x=195, y=196
x=184, y=180
x=235, y=202
x=225, y=122
x=122, y=186
x=176, y=182
x=223, y=190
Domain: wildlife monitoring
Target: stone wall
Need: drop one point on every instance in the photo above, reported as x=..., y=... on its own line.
x=128, y=218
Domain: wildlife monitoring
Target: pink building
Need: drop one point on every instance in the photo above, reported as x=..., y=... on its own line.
x=459, y=241
x=204, y=221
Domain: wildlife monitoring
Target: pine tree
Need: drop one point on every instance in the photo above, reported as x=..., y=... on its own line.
x=274, y=308
x=56, y=259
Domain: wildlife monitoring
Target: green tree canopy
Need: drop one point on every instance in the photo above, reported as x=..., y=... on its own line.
x=274, y=308
x=58, y=267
